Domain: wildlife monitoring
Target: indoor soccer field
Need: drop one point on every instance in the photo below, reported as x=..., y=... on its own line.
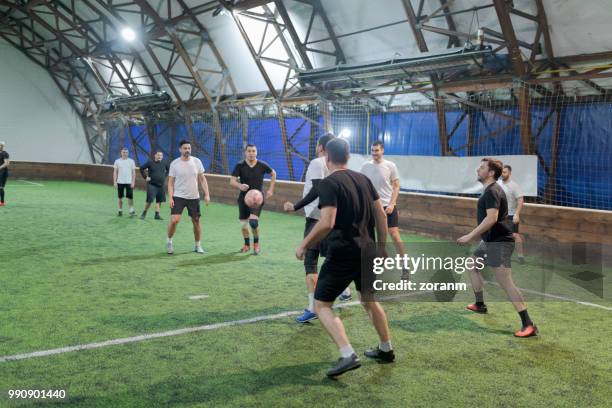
x=73, y=273
x=306, y=203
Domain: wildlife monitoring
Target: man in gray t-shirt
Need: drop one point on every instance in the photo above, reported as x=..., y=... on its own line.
x=384, y=176
x=514, y=195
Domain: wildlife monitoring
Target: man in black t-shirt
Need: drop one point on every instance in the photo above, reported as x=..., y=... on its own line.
x=4, y=163
x=155, y=172
x=249, y=175
x=496, y=245
x=350, y=212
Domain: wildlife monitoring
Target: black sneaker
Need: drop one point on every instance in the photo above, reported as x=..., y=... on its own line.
x=343, y=365
x=119, y=213
x=521, y=260
x=378, y=354
x=157, y=217
x=142, y=216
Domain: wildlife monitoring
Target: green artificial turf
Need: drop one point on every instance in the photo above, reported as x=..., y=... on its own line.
x=72, y=272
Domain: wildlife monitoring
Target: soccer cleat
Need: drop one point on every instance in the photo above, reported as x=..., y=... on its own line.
x=142, y=216
x=132, y=213
x=343, y=365
x=476, y=309
x=198, y=249
x=378, y=354
x=119, y=213
x=344, y=297
x=528, y=331
x=306, y=317
x=521, y=260
x=157, y=217
x=169, y=248
x=2, y=204
x=256, y=249
x=245, y=249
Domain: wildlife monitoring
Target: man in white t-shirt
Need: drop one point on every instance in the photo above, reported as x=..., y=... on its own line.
x=514, y=194
x=185, y=179
x=317, y=171
x=384, y=176
x=124, y=179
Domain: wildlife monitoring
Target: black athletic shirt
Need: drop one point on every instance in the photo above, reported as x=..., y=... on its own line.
x=353, y=195
x=494, y=197
x=3, y=156
x=158, y=171
x=253, y=176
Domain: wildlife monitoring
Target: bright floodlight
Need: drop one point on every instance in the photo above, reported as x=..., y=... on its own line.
x=345, y=133
x=128, y=34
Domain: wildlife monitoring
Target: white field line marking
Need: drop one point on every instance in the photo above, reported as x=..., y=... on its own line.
x=567, y=299
x=177, y=332
x=198, y=297
x=26, y=181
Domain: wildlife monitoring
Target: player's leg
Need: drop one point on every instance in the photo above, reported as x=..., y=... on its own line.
x=175, y=218
x=159, y=199
x=243, y=215
x=193, y=209
x=518, y=240
x=3, y=178
x=149, y=200
x=480, y=254
x=130, y=196
x=378, y=317
x=333, y=278
x=311, y=259
x=254, y=224
x=120, y=195
x=501, y=264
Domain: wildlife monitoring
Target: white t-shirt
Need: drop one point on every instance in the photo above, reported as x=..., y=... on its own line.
x=382, y=175
x=513, y=193
x=185, y=173
x=317, y=169
x=125, y=168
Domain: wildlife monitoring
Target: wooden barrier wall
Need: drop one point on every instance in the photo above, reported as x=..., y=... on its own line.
x=437, y=216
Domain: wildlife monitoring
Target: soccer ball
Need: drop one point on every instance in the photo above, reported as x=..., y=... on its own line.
x=253, y=199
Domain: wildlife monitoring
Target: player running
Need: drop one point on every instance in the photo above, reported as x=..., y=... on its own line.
x=497, y=244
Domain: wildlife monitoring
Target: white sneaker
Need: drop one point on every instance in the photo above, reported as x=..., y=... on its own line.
x=169, y=248
x=199, y=250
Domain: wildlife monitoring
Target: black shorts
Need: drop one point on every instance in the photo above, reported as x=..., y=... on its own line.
x=156, y=193
x=496, y=254
x=515, y=227
x=337, y=274
x=3, y=177
x=311, y=258
x=193, y=206
x=393, y=218
x=125, y=189
x=244, y=211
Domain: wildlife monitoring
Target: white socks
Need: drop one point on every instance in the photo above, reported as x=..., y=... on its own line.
x=311, y=302
x=169, y=240
x=197, y=243
x=346, y=351
x=385, y=346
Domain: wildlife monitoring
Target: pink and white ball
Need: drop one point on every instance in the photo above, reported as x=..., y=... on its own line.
x=253, y=198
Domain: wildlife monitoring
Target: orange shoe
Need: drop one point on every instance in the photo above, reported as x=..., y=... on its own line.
x=477, y=309
x=256, y=249
x=245, y=249
x=2, y=204
x=527, y=331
